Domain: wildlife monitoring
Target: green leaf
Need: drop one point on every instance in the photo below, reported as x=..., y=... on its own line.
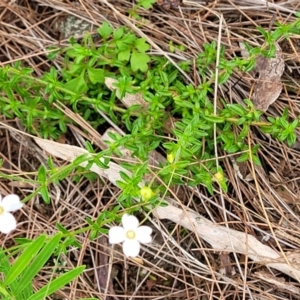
x=139, y=61
x=4, y=263
x=105, y=30
x=295, y=123
x=236, y=108
x=5, y=294
x=62, y=229
x=124, y=176
x=124, y=55
x=256, y=160
x=38, y=263
x=232, y=148
x=52, y=52
x=77, y=85
x=5, y=268
x=45, y=194
x=142, y=45
x=241, y=121
x=243, y=157
x=284, y=122
x=96, y=75
x=146, y=3
x=42, y=174
x=214, y=119
x=81, y=159
x=291, y=139
x=56, y=284
x=24, y=259
x=118, y=33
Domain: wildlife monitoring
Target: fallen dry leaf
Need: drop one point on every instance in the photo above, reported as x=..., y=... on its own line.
x=278, y=282
x=129, y=99
x=150, y=284
x=268, y=86
x=225, y=264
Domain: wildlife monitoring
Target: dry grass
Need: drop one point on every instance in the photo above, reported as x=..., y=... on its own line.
x=178, y=264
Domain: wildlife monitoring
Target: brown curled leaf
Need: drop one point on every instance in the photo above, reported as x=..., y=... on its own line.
x=268, y=86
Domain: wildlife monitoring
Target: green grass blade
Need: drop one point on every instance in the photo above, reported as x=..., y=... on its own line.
x=38, y=263
x=24, y=259
x=57, y=283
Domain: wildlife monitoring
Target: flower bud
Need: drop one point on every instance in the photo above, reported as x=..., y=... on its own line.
x=170, y=157
x=146, y=193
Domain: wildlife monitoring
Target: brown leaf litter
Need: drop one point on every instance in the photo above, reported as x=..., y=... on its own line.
x=256, y=215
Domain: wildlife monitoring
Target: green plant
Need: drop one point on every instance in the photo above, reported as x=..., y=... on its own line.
x=189, y=146
x=17, y=283
x=146, y=4
x=123, y=56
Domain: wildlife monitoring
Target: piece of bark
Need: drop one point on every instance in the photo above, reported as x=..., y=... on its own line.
x=103, y=274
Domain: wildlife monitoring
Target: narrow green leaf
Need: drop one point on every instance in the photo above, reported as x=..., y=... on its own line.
x=5, y=268
x=4, y=263
x=56, y=284
x=45, y=194
x=236, y=108
x=243, y=157
x=124, y=176
x=24, y=259
x=4, y=293
x=256, y=160
x=42, y=174
x=38, y=263
x=80, y=159
x=214, y=119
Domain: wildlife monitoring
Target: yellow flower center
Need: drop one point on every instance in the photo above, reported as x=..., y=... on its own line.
x=130, y=234
x=1, y=210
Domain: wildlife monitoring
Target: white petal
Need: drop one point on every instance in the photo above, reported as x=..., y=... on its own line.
x=131, y=248
x=116, y=235
x=11, y=202
x=144, y=234
x=7, y=223
x=130, y=222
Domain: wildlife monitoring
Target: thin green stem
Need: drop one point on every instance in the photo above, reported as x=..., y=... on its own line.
x=64, y=90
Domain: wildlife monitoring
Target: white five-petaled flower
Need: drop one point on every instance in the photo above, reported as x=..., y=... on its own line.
x=8, y=204
x=131, y=235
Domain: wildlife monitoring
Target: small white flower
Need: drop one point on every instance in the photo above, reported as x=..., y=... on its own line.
x=131, y=235
x=8, y=204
